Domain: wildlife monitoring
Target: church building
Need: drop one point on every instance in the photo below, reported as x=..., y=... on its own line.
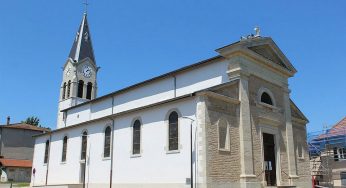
x=227, y=121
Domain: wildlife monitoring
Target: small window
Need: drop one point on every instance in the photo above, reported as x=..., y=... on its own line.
x=84, y=145
x=336, y=156
x=300, y=150
x=343, y=178
x=173, y=132
x=64, y=149
x=89, y=90
x=46, y=152
x=136, y=147
x=265, y=98
x=68, y=89
x=80, y=88
x=63, y=91
x=342, y=153
x=107, y=144
x=224, y=140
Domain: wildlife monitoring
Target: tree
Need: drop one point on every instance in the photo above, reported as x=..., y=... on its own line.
x=35, y=121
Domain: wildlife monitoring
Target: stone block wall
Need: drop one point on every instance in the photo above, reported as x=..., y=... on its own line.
x=223, y=166
x=303, y=163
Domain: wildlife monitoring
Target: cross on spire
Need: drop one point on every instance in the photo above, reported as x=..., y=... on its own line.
x=85, y=3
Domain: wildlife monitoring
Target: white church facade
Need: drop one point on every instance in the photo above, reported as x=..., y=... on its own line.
x=227, y=121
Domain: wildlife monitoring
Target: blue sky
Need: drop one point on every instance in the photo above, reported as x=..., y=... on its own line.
x=137, y=40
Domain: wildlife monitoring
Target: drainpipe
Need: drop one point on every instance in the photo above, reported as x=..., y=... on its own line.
x=191, y=149
x=112, y=144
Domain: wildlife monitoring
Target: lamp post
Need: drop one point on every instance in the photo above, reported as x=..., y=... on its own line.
x=84, y=136
x=191, y=152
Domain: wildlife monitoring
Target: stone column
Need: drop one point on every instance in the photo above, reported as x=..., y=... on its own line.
x=202, y=142
x=84, y=90
x=62, y=92
x=292, y=172
x=245, y=132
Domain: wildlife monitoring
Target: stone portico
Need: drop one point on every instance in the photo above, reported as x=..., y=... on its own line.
x=240, y=104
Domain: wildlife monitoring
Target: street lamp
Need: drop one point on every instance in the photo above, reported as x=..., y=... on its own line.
x=84, y=136
x=191, y=158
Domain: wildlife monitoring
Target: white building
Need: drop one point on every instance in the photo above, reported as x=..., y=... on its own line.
x=244, y=126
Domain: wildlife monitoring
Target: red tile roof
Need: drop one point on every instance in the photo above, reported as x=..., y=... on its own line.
x=337, y=130
x=25, y=126
x=15, y=163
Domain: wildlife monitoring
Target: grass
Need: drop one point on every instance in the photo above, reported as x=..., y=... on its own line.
x=21, y=184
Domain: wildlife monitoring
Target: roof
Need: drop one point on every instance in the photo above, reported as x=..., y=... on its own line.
x=82, y=46
x=338, y=129
x=296, y=112
x=15, y=163
x=24, y=126
x=172, y=73
x=260, y=41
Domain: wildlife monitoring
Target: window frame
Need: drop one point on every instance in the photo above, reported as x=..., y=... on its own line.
x=271, y=95
x=168, y=151
x=68, y=95
x=89, y=92
x=228, y=135
x=300, y=145
x=140, y=137
x=63, y=91
x=46, y=152
x=110, y=142
x=80, y=89
x=266, y=95
x=81, y=145
x=62, y=151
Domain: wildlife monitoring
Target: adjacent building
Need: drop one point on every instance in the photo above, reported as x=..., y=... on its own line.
x=227, y=121
x=16, y=151
x=328, y=155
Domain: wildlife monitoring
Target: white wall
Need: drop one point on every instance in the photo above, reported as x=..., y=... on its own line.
x=40, y=176
x=69, y=172
x=153, y=166
x=186, y=82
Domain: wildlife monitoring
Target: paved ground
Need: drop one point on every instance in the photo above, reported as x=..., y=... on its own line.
x=2, y=185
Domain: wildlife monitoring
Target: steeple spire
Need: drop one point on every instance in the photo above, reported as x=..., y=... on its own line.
x=82, y=46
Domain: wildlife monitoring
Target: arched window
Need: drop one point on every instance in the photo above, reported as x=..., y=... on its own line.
x=84, y=145
x=63, y=91
x=80, y=89
x=136, y=138
x=173, y=135
x=64, y=149
x=68, y=89
x=107, y=144
x=223, y=129
x=89, y=90
x=46, y=152
x=265, y=98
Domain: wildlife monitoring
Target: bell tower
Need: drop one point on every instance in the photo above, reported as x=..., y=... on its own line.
x=79, y=72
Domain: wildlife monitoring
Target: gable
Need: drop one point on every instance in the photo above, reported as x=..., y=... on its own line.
x=296, y=113
x=268, y=53
x=262, y=48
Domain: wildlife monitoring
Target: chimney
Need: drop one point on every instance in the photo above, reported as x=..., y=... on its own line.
x=8, y=120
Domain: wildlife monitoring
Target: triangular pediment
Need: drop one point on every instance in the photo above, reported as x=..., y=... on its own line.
x=263, y=48
x=267, y=52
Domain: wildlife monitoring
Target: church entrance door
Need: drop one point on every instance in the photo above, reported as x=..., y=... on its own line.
x=269, y=159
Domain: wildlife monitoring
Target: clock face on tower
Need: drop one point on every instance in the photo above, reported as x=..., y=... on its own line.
x=87, y=71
